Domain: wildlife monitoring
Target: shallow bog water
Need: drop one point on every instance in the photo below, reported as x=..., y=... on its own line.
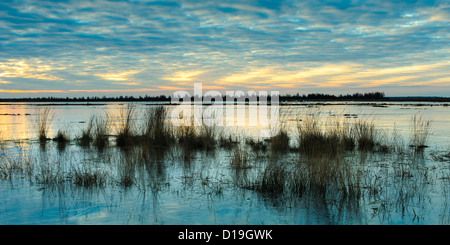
x=18, y=120
x=168, y=189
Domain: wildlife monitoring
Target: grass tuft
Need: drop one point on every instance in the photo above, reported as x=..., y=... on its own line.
x=87, y=133
x=44, y=119
x=280, y=142
x=315, y=139
x=421, y=131
x=240, y=160
x=365, y=134
x=156, y=130
x=125, y=131
x=100, y=132
x=62, y=139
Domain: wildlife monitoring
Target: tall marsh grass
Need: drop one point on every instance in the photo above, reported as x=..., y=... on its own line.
x=62, y=139
x=126, y=130
x=329, y=165
x=156, y=129
x=280, y=142
x=100, y=132
x=365, y=134
x=196, y=137
x=421, y=130
x=44, y=117
x=86, y=136
x=240, y=159
x=316, y=137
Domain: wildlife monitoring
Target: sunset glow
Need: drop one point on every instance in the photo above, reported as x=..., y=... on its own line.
x=151, y=47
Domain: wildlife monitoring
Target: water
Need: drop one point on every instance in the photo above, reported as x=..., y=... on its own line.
x=168, y=189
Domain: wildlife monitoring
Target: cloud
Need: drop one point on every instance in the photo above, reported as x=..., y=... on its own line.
x=183, y=76
x=34, y=68
x=111, y=45
x=122, y=76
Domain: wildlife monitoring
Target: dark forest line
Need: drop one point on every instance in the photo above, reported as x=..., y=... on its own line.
x=372, y=96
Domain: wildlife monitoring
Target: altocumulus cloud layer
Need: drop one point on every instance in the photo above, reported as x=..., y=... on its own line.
x=75, y=48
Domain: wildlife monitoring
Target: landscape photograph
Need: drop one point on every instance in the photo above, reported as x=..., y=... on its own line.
x=225, y=113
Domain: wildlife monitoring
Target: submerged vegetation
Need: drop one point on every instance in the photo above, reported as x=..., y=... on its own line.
x=339, y=162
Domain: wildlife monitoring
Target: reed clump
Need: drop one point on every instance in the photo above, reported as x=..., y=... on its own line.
x=100, y=132
x=256, y=144
x=44, y=118
x=126, y=131
x=208, y=136
x=280, y=142
x=226, y=141
x=196, y=137
x=187, y=136
x=316, y=140
x=157, y=131
x=240, y=159
x=87, y=133
x=421, y=130
x=62, y=138
x=365, y=135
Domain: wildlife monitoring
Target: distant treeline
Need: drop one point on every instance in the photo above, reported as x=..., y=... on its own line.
x=372, y=96
x=88, y=99
x=317, y=96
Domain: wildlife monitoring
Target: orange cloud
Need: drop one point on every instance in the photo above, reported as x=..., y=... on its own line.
x=33, y=68
x=275, y=75
x=258, y=87
x=114, y=90
x=171, y=88
x=211, y=87
x=183, y=76
x=286, y=85
x=131, y=83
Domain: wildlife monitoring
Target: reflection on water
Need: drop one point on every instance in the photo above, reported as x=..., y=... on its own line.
x=18, y=120
x=74, y=184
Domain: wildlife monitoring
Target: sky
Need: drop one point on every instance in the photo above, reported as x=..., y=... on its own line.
x=111, y=48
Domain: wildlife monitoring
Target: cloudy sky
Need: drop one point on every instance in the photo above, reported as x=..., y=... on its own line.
x=95, y=48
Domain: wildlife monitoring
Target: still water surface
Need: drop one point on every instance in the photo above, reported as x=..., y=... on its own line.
x=204, y=190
